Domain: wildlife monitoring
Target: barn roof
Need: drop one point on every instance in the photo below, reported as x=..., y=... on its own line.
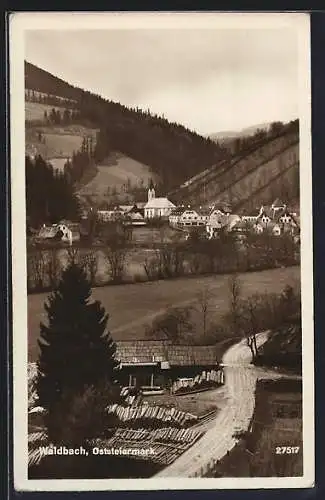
x=147, y=351
x=187, y=355
x=141, y=351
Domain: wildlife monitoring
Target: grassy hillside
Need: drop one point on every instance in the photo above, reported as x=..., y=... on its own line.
x=34, y=111
x=117, y=170
x=55, y=141
x=267, y=171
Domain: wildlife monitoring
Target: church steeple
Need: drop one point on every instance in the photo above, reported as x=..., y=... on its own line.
x=151, y=191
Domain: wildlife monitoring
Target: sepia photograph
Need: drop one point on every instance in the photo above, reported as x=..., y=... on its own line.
x=162, y=251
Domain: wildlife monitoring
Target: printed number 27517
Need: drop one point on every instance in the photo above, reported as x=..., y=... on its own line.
x=281, y=450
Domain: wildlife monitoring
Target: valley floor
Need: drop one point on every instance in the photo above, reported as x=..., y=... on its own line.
x=133, y=307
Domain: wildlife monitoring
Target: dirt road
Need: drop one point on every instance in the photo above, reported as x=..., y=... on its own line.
x=240, y=382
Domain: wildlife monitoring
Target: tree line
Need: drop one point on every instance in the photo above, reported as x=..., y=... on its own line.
x=58, y=117
x=50, y=195
x=76, y=167
x=107, y=263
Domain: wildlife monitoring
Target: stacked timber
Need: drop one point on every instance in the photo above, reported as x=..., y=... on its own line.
x=166, y=434
x=165, y=444
x=151, y=414
x=206, y=379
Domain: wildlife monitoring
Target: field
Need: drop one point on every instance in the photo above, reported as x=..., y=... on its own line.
x=56, y=141
x=146, y=235
x=116, y=171
x=35, y=110
x=133, y=307
x=65, y=144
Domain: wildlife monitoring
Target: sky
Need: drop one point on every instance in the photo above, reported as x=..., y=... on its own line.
x=210, y=80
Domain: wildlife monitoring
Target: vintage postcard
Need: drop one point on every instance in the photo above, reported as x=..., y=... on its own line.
x=161, y=251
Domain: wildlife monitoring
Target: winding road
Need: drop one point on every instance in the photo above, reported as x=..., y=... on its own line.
x=240, y=382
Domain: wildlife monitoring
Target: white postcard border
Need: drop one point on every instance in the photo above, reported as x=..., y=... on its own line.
x=19, y=23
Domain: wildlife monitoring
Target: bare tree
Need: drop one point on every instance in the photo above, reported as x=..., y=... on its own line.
x=174, y=325
x=152, y=266
x=90, y=264
x=116, y=258
x=36, y=270
x=235, y=291
x=54, y=267
x=73, y=255
x=116, y=251
x=195, y=263
x=203, y=304
x=252, y=327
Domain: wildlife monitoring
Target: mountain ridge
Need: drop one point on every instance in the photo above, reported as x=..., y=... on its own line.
x=173, y=152
x=189, y=166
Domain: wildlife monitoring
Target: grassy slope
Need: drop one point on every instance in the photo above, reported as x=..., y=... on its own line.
x=115, y=171
x=59, y=141
x=35, y=111
x=132, y=307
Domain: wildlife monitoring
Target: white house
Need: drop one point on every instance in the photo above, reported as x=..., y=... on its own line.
x=189, y=217
x=217, y=221
x=71, y=231
x=194, y=217
x=110, y=214
x=157, y=207
x=287, y=218
x=175, y=216
x=64, y=231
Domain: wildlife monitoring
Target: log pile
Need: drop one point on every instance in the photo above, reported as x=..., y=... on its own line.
x=149, y=415
x=166, y=444
x=205, y=379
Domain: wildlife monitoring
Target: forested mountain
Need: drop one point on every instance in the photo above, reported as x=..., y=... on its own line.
x=172, y=151
x=263, y=167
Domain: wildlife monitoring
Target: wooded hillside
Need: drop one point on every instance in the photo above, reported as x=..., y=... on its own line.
x=173, y=152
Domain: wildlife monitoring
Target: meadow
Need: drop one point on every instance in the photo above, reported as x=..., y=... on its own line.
x=57, y=141
x=133, y=307
x=35, y=110
x=64, y=144
x=116, y=171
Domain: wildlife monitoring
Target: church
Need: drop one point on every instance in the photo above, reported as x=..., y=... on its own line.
x=157, y=207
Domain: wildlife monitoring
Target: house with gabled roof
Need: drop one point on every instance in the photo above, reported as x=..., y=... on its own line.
x=175, y=215
x=157, y=363
x=189, y=216
x=65, y=231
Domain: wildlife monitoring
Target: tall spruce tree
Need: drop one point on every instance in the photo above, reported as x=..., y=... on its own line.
x=76, y=351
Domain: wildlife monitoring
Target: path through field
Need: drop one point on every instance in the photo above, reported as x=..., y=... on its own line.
x=240, y=382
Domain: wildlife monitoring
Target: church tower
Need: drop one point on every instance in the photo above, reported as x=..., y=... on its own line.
x=151, y=191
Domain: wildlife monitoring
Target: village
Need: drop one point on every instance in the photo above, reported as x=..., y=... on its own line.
x=275, y=219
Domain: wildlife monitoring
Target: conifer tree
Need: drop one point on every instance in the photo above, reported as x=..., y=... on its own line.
x=76, y=351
